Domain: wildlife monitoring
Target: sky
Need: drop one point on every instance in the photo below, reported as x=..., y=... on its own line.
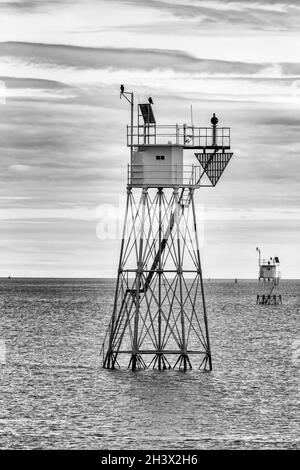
x=63, y=127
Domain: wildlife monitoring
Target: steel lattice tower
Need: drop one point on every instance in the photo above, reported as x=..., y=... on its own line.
x=268, y=280
x=159, y=317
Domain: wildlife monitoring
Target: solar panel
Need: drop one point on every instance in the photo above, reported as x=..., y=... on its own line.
x=147, y=113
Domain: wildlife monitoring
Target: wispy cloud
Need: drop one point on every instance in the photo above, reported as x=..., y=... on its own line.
x=82, y=58
x=266, y=15
x=33, y=5
x=79, y=75
x=33, y=83
x=119, y=58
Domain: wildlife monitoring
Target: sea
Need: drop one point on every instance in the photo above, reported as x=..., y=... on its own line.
x=56, y=395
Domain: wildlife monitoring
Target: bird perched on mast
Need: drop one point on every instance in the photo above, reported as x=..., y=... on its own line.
x=121, y=90
x=150, y=100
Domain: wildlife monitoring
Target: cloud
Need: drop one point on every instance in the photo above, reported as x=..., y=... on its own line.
x=19, y=168
x=118, y=58
x=28, y=6
x=113, y=59
x=33, y=83
x=26, y=88
x=57, y=73
x=257, y=15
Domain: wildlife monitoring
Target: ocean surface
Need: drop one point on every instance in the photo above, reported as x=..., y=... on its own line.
x=55, y=395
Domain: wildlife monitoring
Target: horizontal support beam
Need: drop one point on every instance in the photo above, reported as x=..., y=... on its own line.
x=154, y=351
x=163, y=185
x=172, y=186
x=161, y=270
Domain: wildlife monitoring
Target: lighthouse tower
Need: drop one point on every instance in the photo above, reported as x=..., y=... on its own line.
x=268, y=273
x=159, y=318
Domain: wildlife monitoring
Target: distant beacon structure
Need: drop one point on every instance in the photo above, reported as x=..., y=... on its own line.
x=159, y=317
x=268, y=273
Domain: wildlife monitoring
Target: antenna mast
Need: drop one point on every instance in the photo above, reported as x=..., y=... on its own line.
x=130, y=100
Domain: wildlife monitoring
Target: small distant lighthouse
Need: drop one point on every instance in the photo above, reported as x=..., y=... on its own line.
x=268, y=275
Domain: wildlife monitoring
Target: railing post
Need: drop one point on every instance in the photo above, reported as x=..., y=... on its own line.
x=131, y=122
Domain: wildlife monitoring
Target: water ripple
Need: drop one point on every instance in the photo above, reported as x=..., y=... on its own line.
x=55, y=395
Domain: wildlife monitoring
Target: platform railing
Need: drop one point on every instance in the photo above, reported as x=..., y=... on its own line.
x=268, y=262
x=187, y=136
x=165, y=175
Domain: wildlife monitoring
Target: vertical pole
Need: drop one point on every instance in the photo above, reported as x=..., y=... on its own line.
x=159, y=277
x=148, y=126
x=131, y=123
x=131, y=101
x=179, y=273
x=259, y=263
x=214, y=121
x=201, y=281
x=214, y=134
x=138, y=284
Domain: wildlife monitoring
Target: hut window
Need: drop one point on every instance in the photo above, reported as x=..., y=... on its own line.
x=160, y=157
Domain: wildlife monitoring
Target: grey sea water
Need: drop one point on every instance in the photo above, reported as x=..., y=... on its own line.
x=54, y=393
